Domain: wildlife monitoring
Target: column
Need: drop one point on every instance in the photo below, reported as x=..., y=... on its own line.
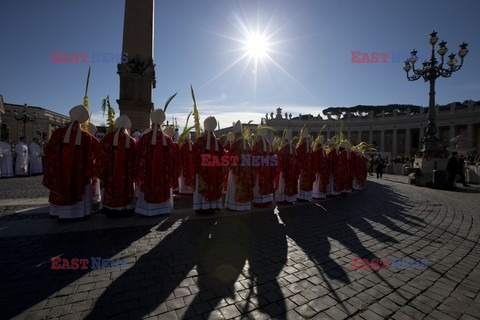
x=408, y=140
x=382, y=141
x=359, y=135
x=469, y=137
x=348, y=136
x=451, y=135
x=137, y=77
x=370, y=137
x=421, y=135
x=394, y=142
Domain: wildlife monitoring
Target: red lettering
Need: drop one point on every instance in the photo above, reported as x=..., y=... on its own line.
x=55, y=57
x=234, y=161
x=365, y=58
x=65, y=58
x=366, y=265
x=384, y=263
x=206, y=160
x=357, y=263
x=374, y=264
x=215, y=161
x=74, y=263
x=356, y=56
x=65, y=264
x=84, y=55
x=55, y=263
x=384, y=55
x=83, y=262
x=374, y=57
x=225, y=160
x=75, y=57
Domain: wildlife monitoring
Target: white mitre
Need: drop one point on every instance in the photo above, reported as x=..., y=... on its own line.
x=169, y=131
x=121, y=123
x=77, y=114
x=237, y=128
x=157, y=116
x=209, y=124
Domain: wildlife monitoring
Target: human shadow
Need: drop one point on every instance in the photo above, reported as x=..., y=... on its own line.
x=28, y=279
x=199, y=266
x=313, y=227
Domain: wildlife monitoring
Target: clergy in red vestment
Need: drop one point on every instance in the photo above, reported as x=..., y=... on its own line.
x=155, y=169
x=352, y=163
x=333, y=180
x=69, y=168
x=286, y=176
x=170, y=132
x=226, y=149
x=320, y=168
x=207, y=194
x=342, y=173
x=360, y=170
x=115, y=167
x=306, y=176
x=240, y=176
x=187, y=167
x=264, y=175
x=96, y=196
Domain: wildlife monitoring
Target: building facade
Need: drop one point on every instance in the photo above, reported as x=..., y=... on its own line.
x=393, y=133
x=36, y=122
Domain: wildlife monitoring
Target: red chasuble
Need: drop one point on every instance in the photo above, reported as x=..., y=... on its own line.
x=361, y=169
x=266, y=174
x=115, y=168
x=210, y=177
x=341, y=174
x=287, y=165
x=320, y=166
x=352, y=164
x=244, y=173
x=177, y=163
x=332, y=168
x=187, y=164
x=305, y=167
x=68, y=168
x=155, y=167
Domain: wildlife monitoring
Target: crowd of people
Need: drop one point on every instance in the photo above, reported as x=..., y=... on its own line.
x=141, y=176
x=21, y=159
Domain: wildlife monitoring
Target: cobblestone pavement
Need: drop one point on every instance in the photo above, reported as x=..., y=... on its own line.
x=294, y=262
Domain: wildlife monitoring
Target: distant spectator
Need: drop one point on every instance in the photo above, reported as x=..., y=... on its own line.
x=452, y=170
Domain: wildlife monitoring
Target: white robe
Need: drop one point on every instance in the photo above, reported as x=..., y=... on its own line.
x=6, y=161
x=280, y=192
x=80, y=209
x=21, y=161
x=316, y=186
x=153, y=209
x=35, y=158
x=230, y=202
x=182, y=187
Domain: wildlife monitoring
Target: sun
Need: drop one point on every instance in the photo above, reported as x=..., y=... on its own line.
x=256, y=46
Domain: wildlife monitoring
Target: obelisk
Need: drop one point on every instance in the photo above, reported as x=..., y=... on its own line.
x=137, y=75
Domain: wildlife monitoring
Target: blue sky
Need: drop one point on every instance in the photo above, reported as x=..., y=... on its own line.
x=310, y=53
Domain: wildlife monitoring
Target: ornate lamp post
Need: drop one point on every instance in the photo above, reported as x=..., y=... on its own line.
x=430, y=71
x=25, y=117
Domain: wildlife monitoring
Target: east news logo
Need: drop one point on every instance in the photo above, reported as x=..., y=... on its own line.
x=397, y=263
x=96, y=263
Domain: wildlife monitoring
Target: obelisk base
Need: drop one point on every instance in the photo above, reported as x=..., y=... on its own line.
x=137, y=111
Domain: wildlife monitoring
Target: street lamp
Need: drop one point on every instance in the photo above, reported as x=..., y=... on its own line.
x=25, y=117
x=431, y=70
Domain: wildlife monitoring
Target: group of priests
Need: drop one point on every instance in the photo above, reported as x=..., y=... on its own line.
x=141, y=176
